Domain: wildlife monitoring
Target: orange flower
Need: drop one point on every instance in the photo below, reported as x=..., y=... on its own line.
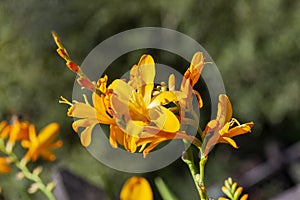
x=4, y=165
x=16, y=131
x=224, y=127
x=136, y=188
x=135, y=116
x=41, y=144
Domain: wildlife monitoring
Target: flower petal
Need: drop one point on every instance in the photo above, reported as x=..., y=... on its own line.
x=49, y=133
x=116, y=136
x=83, y=123
x=136, y=188
x=194, y=71
x=239, y=130
x=146, y=70
x=164, y=119
x=81, y=110
x=48, y=155
x=229, y=141
x=4, y=166
x=200, y=102
x=130, y=143
x=86, y=136
x=100, y=108
x=121, y=96
x=163, y=98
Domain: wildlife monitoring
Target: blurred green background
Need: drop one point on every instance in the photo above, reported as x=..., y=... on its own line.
x=255, y=44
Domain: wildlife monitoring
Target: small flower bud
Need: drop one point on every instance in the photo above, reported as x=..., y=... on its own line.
x=50, y=186
x=37, y=170
x=33, y=188
x=20, y=175
x=171, y=82
x=238, y=192
x=230, y=180
x=226, y=191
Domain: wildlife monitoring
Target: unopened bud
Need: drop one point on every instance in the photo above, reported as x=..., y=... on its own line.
x=33, y=188
x=50, y=186
x=171, y=82
x=20, y=175
x=37, y=170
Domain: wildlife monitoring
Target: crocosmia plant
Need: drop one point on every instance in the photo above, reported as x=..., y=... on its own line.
x=142, y=115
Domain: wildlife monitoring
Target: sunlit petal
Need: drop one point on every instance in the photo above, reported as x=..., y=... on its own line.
x=81, y=110
x=83, y=123
x=100, y=107
x=32, y=133
x=117, y=136
x=163, y=98
x=134, y=128
x=86, y=136
x=229, y=141
x=164, y=119
x=136, y=188
x=48, y=133
x=146, y=70
x=239, y=130
x=224, y=113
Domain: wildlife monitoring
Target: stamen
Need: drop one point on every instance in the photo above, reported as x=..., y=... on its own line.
x=85, y=99
x=233, y=120
x=64, y=101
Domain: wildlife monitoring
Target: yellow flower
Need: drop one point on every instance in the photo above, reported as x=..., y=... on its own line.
x=142, y=115
x=136, y=188
x=16, y=131
x=41, y=144
x=136, y=117
x=224, y=127
x=4, y=165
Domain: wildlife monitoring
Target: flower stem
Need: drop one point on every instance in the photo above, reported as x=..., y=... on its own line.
x=29, y=175
x=188, y=158
x=202, y=164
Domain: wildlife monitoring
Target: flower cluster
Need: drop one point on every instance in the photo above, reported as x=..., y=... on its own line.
x=232, y=191
x=37, y=145
x=140, y=115
x=135, y=109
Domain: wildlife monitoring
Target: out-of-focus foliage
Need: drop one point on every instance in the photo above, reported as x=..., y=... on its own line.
x=255, y=44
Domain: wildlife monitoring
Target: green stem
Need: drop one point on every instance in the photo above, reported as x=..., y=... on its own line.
x=202, y=164
x=29, y=175
x=188, y=158
x=163, y=189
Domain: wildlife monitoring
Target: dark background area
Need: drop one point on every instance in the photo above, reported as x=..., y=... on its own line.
x=255, y=44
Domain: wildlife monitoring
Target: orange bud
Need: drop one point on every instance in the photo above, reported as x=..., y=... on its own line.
x=73, y=66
